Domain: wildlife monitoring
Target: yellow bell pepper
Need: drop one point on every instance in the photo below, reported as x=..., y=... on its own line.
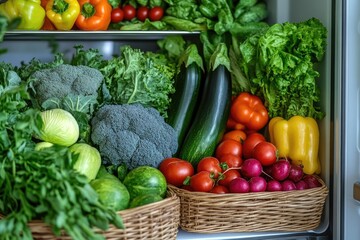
x=63, y=13
x=30, y=12
x=298, y=140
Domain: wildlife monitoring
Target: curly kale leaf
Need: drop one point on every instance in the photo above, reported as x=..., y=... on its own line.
x=139, y=77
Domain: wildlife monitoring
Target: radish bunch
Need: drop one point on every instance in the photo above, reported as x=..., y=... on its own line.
x=280, y=176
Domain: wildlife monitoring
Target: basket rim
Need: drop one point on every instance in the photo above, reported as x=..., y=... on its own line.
x=170, y=199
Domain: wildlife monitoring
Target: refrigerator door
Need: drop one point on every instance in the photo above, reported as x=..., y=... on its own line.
x=349, y=196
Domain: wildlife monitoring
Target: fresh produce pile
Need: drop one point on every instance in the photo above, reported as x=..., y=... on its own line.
x=97, y=135
x=88, y=15
x=245, y=161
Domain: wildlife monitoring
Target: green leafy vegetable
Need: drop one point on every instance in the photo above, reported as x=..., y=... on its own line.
x=183, y=9
x=140, y=77
x=88, y=160
x=59, y=127
x=41, y=184
x=279, y=66
x=183, y=24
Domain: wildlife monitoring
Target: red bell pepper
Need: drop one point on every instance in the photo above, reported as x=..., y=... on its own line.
x=249, y=110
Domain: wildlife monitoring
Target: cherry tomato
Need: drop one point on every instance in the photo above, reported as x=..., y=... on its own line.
x=210, y=164
x=219, y=189
x=129, y=12
x=202, y=182
x=228, y=146
x=142, y=13
x=237, y=135
x=250, y=142
x=117, y=15
x=156, y=13
x=228, y=176
x=231, y=160
x=176, y=170
x=265, y=152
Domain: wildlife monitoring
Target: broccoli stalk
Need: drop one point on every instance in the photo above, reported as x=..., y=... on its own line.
x=132, y=134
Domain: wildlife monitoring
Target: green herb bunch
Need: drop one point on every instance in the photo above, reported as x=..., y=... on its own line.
x=41, y=184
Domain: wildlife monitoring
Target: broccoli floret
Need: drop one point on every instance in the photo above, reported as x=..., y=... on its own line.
x=132, y=134
x=65, y=80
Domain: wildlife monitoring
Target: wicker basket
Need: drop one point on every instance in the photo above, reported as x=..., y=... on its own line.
x=298, y=210
x=158, y=221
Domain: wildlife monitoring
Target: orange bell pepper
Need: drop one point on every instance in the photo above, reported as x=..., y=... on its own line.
x=94, y=15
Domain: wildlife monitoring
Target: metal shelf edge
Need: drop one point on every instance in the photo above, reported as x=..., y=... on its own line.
x=92, y=35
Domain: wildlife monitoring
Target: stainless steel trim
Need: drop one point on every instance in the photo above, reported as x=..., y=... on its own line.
x=92, y=35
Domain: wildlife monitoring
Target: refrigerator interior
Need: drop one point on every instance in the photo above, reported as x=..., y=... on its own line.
x=295, y=11
x=24, y=47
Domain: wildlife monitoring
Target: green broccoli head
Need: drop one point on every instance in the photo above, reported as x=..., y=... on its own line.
x=132, y=134
x=65, y=80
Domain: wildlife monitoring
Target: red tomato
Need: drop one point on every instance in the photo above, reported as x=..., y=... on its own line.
x=232, y=124
x=210, y=164
x=202, y=182
x=156, y=13
x=219, y=189
x=228, y=176
x=265, y=152
x=237, y=135
x=250, y=142
x=231, y=161
x=129, y=12
x=117, y=15
x=142, y=13
x=176, y=170
x=228, y=146
x=187, y=187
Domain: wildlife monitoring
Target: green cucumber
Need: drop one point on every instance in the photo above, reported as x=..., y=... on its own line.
x=209, y=124
x=184, y=100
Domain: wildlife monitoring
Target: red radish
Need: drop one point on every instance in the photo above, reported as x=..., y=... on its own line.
x=301, y=185
x=288, y=185
x=296, y=173
x=257, y=184
x=312, y=181
x=239, y=185
x=274, y=185
x=251, y=167
x=280, y=170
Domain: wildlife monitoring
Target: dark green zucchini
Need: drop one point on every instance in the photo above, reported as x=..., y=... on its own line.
x=209, y=124
x=185, y=99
